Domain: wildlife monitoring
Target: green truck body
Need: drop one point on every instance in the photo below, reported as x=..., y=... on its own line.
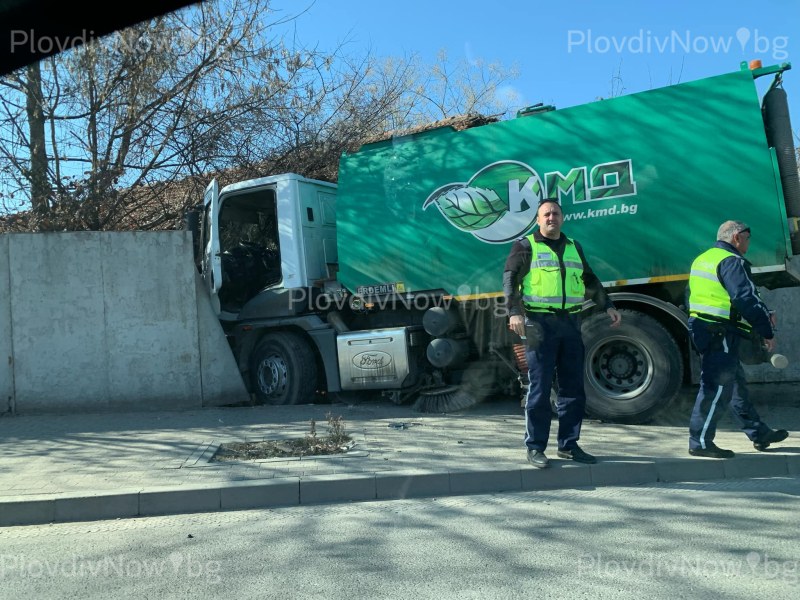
x=644, y=182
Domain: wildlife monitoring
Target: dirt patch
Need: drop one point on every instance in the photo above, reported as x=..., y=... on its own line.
x=335, y=442
x=278, y=449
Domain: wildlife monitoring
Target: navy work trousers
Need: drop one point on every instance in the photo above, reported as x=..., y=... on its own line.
x=554, y=342
x=722, y=384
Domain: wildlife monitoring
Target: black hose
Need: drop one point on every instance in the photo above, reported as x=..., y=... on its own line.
x=779, y=136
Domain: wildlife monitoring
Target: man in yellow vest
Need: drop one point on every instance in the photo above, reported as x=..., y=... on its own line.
x=724, y=305
x=545, y=281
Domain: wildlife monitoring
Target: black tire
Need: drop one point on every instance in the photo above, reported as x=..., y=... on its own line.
x=283, y=370
x=632, y=371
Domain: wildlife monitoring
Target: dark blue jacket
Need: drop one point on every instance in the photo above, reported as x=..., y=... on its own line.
x=735, y=276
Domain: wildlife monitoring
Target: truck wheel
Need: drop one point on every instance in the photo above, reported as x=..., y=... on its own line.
x=283, y=370
x=632, y=371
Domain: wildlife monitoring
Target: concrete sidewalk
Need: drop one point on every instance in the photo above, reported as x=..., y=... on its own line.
x=57, y=468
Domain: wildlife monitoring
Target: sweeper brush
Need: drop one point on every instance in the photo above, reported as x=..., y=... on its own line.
x=445, y=399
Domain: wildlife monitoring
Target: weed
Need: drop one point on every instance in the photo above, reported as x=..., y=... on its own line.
x=335, y=442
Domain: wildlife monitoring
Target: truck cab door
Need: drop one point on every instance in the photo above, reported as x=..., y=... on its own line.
x=212, y=259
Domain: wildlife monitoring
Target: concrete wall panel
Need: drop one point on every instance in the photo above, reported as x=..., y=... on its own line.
x=222, y=383
x=58, y=321
x=150, y=320
x=108, y=321
x=6, y=349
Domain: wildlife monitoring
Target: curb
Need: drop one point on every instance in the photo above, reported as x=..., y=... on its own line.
x=385, y=485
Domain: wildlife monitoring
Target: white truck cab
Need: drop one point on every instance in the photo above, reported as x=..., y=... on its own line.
x=271, y=232
x=267, y=249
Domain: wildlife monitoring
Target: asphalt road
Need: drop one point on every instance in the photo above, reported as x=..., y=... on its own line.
x=727, y=539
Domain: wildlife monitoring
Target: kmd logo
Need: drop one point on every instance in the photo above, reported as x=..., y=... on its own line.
x=499, y=203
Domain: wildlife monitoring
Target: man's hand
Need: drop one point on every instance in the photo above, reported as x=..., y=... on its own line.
x=770, y=345
x=616, y=318
x=516, y=323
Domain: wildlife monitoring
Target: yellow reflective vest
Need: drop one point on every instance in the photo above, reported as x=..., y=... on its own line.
x=707, y=296
x=543, y=288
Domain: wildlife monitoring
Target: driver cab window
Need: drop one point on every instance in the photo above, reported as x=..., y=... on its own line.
x=249, y=245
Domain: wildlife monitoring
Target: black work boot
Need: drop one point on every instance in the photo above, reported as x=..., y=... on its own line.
x=577, y=455
x=772, y=437
x=711, y=451
x=538, y=459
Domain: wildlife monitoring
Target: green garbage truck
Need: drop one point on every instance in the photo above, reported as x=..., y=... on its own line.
x=390, y=281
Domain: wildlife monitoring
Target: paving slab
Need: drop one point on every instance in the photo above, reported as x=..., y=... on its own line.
x=89, y=466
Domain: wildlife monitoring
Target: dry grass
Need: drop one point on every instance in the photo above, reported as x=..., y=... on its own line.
x=335, y=442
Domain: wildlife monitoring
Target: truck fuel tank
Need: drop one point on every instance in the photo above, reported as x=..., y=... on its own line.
x=373, y=359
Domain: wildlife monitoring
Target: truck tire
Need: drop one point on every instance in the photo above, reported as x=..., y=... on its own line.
x=283, y=370
x=632, y=371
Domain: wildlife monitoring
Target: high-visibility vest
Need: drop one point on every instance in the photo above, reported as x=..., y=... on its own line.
x=707, y=296
x=543, y=288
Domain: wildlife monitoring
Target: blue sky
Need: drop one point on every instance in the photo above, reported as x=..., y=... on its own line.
x=568, y=52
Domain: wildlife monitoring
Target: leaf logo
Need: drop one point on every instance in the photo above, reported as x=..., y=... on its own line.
x=498, y=203
x=468, y=208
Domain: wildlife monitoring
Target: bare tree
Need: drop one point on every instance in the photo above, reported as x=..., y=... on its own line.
x=468, y=86
x=148, y=105
x=122, y=133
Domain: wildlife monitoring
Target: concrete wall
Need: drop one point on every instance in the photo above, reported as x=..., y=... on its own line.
x=6, y=350
x=107, y=320
x=121, y=321
x=786, y=303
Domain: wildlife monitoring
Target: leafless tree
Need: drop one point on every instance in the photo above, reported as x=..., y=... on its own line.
x=147, y=105
x=122, y=133
x=467, y=86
